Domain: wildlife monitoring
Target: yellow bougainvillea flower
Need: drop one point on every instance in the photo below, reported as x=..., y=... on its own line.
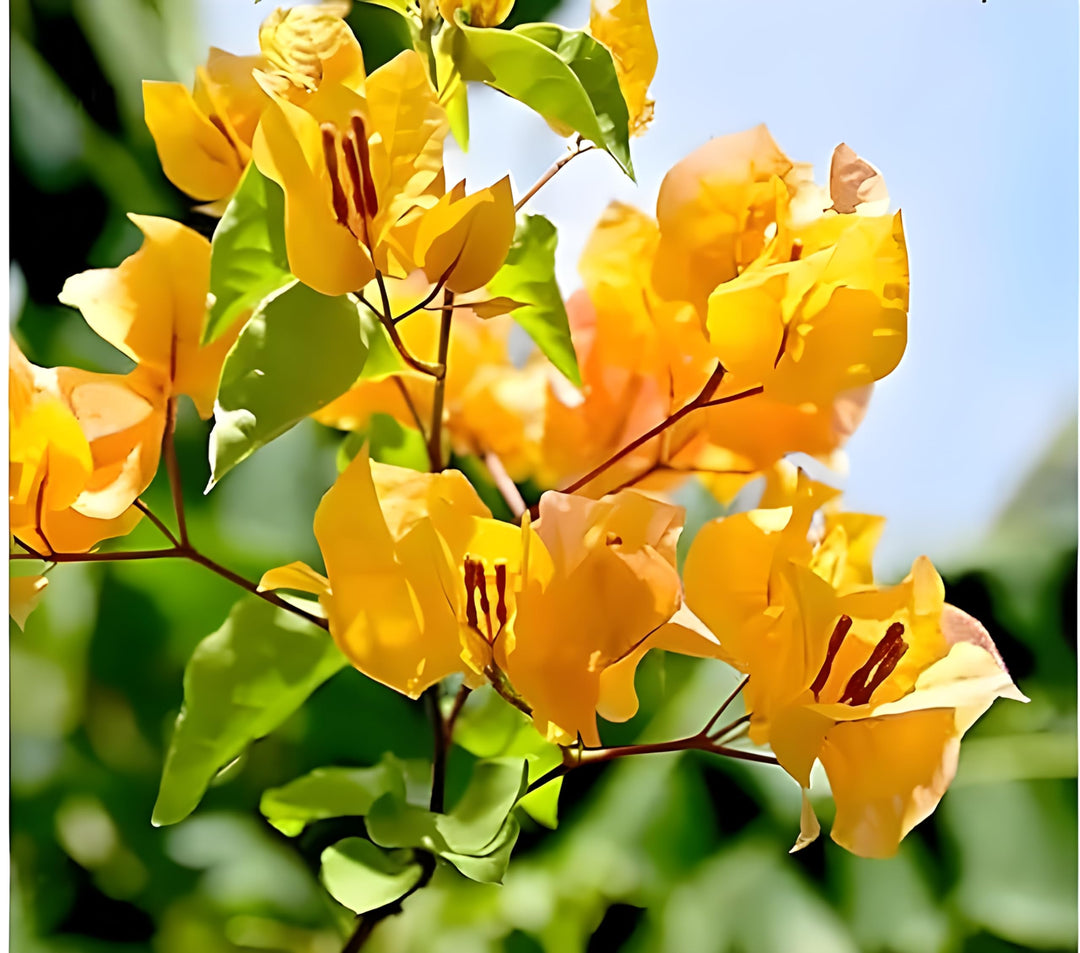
x=83, y=447
x=477, y=12
x=879, y=684
x=623, y=27
x=357, y=170
x=599, y=588
x=153, y=307
x=203, y=136
x=403, y=553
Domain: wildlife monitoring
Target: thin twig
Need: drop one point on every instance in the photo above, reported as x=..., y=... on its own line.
x=267, y=595
x=435, y=438
x=731, y=730
x=125, y=556
x=724, y=705
x=506, y=487
x=407, y=397
x=704, y=399
x=424, y=367
x=422, y=304
x=168, y=533
x=438, y=760
x=578, y=150
x=455, y=710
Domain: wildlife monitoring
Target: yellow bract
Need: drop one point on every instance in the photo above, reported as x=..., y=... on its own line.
x=464, y=238
x=153, y=308
x=203, y=136
x=83, y=447
x=395, y=543
x=623, y=27
x=879, y=684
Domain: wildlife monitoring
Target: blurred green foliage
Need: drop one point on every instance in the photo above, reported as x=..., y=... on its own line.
x=662, y=853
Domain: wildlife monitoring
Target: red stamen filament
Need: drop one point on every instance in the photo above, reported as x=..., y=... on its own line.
x=501, y=612
x=329, y=144
x=878, y=667
x=843, y=626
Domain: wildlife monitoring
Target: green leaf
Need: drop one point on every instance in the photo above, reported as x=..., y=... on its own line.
x=489, y=868
x=528, y=275
x=247, y=257
x=489, y=727
x=241, y=683
x=564, y=75
x=299, y=351
x=331, y=792
x=476, y=820
x=362, y=877
x=472, y=827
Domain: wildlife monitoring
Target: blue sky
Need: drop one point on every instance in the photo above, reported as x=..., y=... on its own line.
x=970, y=110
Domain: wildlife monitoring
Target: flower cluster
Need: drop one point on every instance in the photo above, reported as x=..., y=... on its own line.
x=746, y=321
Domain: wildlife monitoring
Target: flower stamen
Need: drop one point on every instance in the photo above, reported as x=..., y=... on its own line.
x=878, y=667
x=843, y=626
x=340, y=202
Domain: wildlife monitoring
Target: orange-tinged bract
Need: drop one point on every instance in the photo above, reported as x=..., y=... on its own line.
x=83, y=447
x=748, y=268
x=421, y=583
x=599, y=589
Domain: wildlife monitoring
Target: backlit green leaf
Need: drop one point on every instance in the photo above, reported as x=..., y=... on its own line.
x=489, y=868
x=361, y=876
x=247, y=258
x=330, y=792
x=471, y=827
x=297, y=353
x=528, y=275
x=241, y=683
x=489, y=727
